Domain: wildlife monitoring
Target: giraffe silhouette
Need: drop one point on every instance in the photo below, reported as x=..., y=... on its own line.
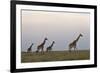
x=41, y=46
x=49, y=48
x=30, y=48
x=74, y=43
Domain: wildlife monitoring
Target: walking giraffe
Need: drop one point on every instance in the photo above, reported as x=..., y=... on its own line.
x=49, y=48
x=30, y=48
x=41, y=46
x=74, y=43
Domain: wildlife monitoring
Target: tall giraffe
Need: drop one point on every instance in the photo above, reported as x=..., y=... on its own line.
x=74, y=43
x=41, y=46
x=49, y=48
x=30, y=48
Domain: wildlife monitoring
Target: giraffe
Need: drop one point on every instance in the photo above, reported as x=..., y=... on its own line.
x=49, y=48
x=74, y=43
x=41, y=46
x=30, y=48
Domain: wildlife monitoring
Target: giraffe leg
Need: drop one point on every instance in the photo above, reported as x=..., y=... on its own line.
x=37, y=50
x=50, y=49
x=47, y=50
x=75, y=48
x=42, y=50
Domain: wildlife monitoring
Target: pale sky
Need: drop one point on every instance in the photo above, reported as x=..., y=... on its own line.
x=61, y=27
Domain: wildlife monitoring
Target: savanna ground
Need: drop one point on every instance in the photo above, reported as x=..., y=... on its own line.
x=54, y=56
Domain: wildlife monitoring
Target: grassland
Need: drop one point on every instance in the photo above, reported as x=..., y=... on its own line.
x=54, y=56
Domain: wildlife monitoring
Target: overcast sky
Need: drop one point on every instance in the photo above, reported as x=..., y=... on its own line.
x=61, y=27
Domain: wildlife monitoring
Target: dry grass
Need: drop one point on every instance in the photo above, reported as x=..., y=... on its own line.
x=54, y=56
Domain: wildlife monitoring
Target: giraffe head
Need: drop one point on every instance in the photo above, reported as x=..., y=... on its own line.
x=81, y=35
x=53, y=41
x=46, y=39
x=32, y=43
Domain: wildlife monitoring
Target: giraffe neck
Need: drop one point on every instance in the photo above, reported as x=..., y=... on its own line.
x=52, y=44
x=31, y=46
x=43, y=42
x=77, y=38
